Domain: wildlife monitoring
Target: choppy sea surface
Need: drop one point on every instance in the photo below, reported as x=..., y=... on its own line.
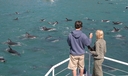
x=49, y=46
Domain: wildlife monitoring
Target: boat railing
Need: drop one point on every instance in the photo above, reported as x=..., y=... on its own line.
x=52, y=70
x=53, y=67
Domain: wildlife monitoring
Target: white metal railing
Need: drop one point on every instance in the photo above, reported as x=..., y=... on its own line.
x=117, y=61
x=53, y=68
x=114, y=69
x=64, y=61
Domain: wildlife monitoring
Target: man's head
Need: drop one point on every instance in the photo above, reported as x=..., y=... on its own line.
x=78, y=25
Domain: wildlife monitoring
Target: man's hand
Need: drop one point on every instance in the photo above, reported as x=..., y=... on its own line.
x=90, y=35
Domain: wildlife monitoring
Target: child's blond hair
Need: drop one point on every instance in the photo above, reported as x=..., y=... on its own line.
x=99, y=34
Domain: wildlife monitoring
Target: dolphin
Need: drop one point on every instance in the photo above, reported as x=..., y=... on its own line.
x=89, y=19
x=42, y=20
x=53, y=23
x=30, y=36
x=47, y=29
x=9, y=42
x=16, y=12
x=117, y=23
x=126, y=7
x=115, y=29
x=10, y=50
x=48, y=37
x=105, y=21
x=68, y=19
x=126, y=27
x=16, y=18
x=2, y=59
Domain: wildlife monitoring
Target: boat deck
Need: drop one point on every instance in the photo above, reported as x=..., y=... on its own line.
x=111, y=67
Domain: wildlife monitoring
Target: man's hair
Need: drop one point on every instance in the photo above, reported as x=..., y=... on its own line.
x=78, y=24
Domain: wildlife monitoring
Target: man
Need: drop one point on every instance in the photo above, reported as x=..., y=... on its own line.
x=77, y=41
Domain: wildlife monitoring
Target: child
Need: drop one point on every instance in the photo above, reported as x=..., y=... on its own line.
x=98, y=52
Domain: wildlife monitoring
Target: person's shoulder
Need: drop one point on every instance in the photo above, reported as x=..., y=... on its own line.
x=83, y=34
x=69, y=34
x=100, y=41
x=104, y=41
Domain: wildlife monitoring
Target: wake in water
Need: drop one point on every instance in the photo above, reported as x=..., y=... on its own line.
x=119, y=36
x=52, y=39
x=27, y=36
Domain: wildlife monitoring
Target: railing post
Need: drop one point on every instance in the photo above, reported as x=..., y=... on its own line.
x=53, y=72
x=89, y=63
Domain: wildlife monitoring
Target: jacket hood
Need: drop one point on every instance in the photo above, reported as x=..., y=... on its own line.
x=76, y=33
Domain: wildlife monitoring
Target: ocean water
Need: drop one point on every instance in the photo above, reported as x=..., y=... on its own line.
x=38, y=55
